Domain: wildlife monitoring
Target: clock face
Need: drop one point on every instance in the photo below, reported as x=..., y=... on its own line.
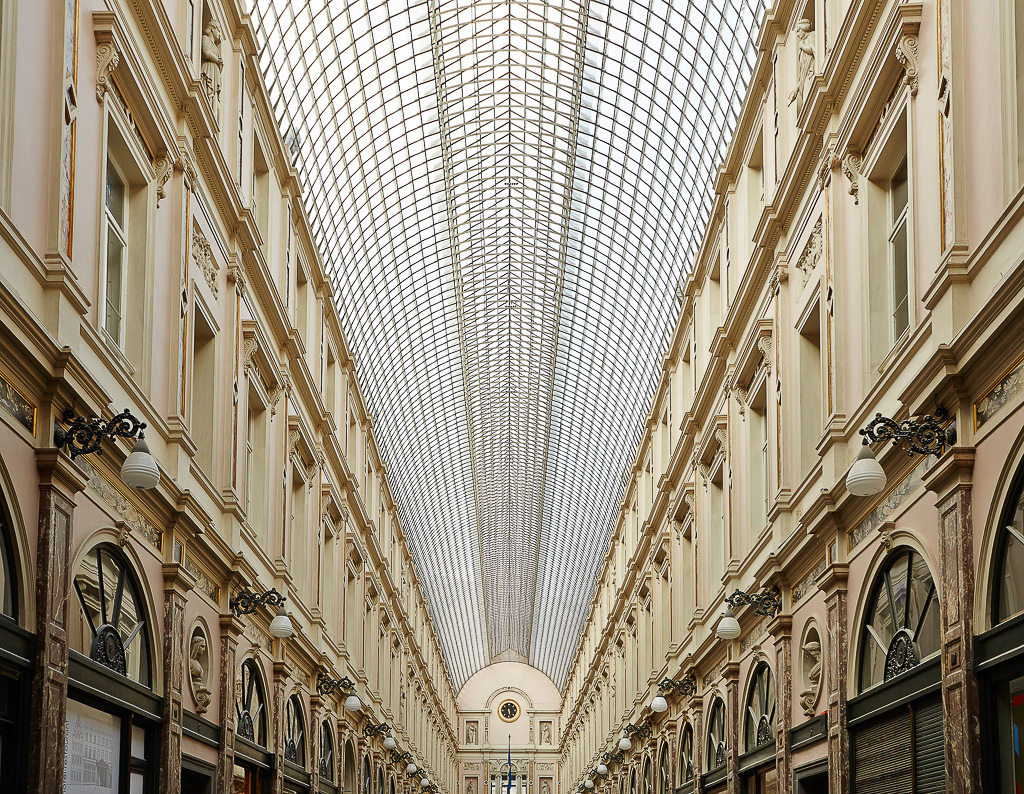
x=509, y=711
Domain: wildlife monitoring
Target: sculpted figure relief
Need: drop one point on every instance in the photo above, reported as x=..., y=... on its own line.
x=471, y=733
x=812, y=668
x=545, y=733
x=200, y=692
x=212, y=64
x=804, y=63
x=545, y=788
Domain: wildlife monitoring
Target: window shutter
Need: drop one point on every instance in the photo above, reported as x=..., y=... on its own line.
x=929, y=749
x=883, y=756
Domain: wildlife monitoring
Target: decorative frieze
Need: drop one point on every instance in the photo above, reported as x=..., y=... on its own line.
x=888, y=505
x=203, y=582
x=120, y=504
x=807, y=584
x=996, y=398
x=17, y=406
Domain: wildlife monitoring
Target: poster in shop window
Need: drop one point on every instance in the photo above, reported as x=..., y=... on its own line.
x=92, y=747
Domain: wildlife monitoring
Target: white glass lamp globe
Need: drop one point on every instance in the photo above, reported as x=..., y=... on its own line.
x=389, y=743
x=625, y=744
x=602, y=769
x=425, y=782
x=281, y=625
x=588, y=783
x=353, y=703
x=411, y=769
x=728, y=626
x=140, y=469
x=659, y=704
x=866, y=476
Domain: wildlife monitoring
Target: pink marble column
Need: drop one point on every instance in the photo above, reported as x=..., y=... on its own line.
x=59, y=480
x=177, y=583
x=833, y=583
x=732, y=720
x=230, y=630
x=280, y=679
x=950, y=479
x=781, y=628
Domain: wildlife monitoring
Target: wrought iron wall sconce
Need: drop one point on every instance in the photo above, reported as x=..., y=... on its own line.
x=616, y=757
x=328, y=686
x=686, y=685
x=84, y=436
x=371, y=731
x=245, y=603
x=768, y=603
x=925, y=436
x=641, y=731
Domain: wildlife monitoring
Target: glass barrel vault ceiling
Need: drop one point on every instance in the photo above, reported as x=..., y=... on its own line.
x=506, y=195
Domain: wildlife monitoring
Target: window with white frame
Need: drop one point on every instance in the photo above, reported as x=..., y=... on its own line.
x=898, y=252
x=115, y=213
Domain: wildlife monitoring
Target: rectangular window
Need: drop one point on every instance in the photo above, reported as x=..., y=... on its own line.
x=204, y=375
x=241, y=118
x=250, y=433
x=898, y=252
x=116, y=215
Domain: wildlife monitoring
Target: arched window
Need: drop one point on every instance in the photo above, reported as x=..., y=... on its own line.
x=250, y=706
x=380, y=780
x=686, y=754
x=664, y=773
x=367, y=776
x=350, y=770
x=902, y=623
x=294, y=734
x=648, y=789
x=760, y=714
x=1009, y=584
x=8, y=588
x=392, y=785
x=716, y=735
x=326, y=752
x=111, y=625
x=632, y=781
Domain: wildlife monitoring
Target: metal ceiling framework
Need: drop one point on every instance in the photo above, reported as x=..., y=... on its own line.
x=506, y=194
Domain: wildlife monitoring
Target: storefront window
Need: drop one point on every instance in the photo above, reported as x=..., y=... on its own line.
x=664, y=775
x=294, y=735
x=326, y=752
x=1011, y=754
x=111, y=622
x=686, y=755
x=647, y=777
x=250, y=711
x=8, y=606
x=1010, y=562
x=902, y=625
x=716, y=735
x=760, y=714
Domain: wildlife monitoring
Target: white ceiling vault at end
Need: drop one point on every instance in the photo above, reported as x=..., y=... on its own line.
x=506, y=193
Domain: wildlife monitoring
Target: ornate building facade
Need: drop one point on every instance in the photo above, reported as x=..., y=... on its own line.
x=155, y=256
x=864, y=257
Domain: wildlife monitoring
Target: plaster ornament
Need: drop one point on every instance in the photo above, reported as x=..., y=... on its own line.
x=804, y=63
x=811, y=662
x=906, y=54
x=471, y=786
x=545, y=733
x=741, y=399
x=764, y=344
x=249, y=346
x=811, y=254
x=163, y=167
x=852, y=165
x=197, y=655
x=107, y=60
x=545, y=788
x=274, y=395
x=471, y=733
x=825, y=166
x=203, y=256
x=212, y=65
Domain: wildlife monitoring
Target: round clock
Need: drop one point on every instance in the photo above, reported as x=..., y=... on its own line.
x=509, y=711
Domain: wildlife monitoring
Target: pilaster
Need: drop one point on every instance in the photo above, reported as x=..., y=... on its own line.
x=732, y=719
x=230, y=630
x=781, y=628
x=177, y=583
x=951, y=480
x=59, y=480
x=833, y=582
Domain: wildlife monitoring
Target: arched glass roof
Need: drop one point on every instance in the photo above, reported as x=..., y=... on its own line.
x=506, y=194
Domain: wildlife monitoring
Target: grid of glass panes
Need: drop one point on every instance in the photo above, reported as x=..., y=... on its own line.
x=115, y=213
x=507, y=194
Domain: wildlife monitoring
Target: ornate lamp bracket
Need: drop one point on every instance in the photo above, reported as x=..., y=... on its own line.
x=616, y=757
x=768, y=602
x=83, y=435
x=686, y=685
x=328, y=686
x=400, y=758
x=643, y=730
x=925, y=436
x=245, y=603
x=376, y=731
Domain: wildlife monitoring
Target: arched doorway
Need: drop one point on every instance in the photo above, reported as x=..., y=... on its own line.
x=16, y=665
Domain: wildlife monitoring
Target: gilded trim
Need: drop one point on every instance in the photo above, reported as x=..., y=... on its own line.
x=18, y=405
